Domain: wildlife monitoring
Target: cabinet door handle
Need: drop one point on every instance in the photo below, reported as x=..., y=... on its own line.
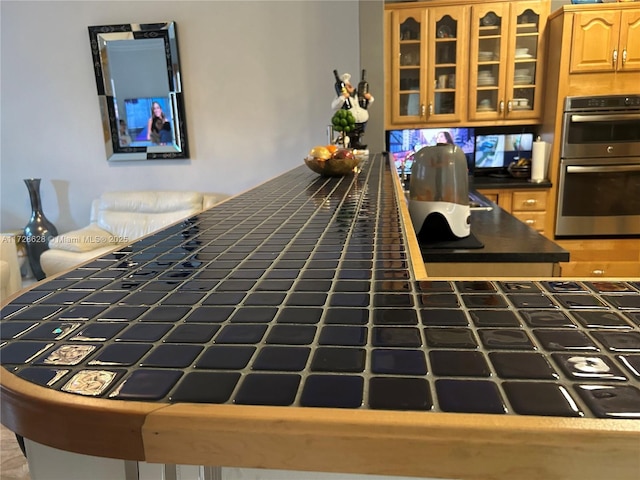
x=624, y=56
x=530, y=221
x=423, y=110
x=598, y=272
x=430, y=109
x=530, y=202
x=615, y=57
x=501, y=109
x=509, y=106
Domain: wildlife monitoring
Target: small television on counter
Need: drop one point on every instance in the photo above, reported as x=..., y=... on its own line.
x=496, y=148
x=402, y=144
x=138, y=111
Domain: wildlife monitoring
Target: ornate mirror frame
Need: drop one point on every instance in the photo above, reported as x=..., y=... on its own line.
x=136, y=65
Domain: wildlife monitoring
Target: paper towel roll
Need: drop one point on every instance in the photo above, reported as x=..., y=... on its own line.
x=539, y=161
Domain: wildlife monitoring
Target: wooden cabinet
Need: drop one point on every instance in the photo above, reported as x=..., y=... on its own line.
x=450, y=62
x=605, y=41
x=506, y=60
x=527, y=205
x=426, y=64
x=602, y=258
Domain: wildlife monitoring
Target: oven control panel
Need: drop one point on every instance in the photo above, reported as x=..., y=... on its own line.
x=602, y=102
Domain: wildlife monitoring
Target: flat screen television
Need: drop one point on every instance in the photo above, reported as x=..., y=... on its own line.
x=495, y=150
x=402, y=143
x=138, y=111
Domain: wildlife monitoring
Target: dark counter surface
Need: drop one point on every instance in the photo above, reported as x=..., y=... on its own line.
x=505, y=239
x=298, y=294
x=489, y=182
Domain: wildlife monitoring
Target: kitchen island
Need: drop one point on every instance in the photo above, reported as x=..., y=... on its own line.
x=290, y=327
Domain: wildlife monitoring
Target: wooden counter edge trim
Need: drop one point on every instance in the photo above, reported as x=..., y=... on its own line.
x=411, y=239
x=424, y=444
x=75, y=423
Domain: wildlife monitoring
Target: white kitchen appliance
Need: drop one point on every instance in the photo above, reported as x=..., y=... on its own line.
x=439, y=193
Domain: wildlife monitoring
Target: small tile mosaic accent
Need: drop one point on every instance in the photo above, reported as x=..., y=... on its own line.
x=300, y=293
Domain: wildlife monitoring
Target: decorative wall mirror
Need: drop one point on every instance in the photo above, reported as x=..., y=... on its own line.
x=139, y=89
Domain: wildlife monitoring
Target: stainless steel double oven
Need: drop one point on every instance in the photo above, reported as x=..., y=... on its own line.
x=599, y=182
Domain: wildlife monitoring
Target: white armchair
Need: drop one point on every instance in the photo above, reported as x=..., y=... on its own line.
x=118, y=218
x=10, y=277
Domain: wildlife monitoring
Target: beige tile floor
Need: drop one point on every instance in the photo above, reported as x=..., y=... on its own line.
x=13, y=465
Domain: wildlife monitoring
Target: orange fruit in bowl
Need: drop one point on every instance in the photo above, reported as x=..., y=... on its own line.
x=332, y=148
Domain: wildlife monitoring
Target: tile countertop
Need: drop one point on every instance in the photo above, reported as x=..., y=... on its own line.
x=286, y=328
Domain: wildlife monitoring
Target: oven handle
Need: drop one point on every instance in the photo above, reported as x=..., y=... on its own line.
x=603, y=118
x=606, y=169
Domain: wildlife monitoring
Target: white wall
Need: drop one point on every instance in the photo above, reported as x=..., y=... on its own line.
x=257, y=82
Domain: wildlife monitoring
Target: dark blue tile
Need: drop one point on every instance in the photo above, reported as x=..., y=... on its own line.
x=192, y=333
x=254, y=315
x=172, y=356
x=443, y=317
x=347, y=316
x=291, y=334
x=286, y=359
x=205, y=387
x=209, y=314
x=164, y=313
x=391, y=393
x=144, y=332
x=332, y=391
x=97, y=332
x=22, y=352
x=469, y=396
x=459, y=363
x=607, y=401
x=484, y=301
x=241, y=334
x=343, y=336
x=546, y=318
x=398, y=361
x=396, y=337
x=558, y=340
x=523, y=365
x=618, y=342
x=121, y=354
x=147, y=384
x=268, y=389
x=43, y=376
x=395, y=316
x=12, y=329
x=335, y=359
x=301, y=315
x=538, y=398
x=505, y=339
x=494, y=318
x=225, y=357
x=450, y=338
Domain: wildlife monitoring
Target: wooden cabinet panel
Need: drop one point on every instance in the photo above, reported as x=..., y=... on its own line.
x=595, y=38
x=534, y=219
x=602, y=258
x=605, y=41
x=630, y=40
x=535, y=200
x=476, y=62
x=601, y=269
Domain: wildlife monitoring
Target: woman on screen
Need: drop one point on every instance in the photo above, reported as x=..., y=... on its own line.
x=159, y=128
x=444, y=137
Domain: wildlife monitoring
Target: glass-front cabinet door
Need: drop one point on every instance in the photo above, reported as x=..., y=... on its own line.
x=525, y=67
x=408, y=66
x=446, y=64
x=505, y=65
